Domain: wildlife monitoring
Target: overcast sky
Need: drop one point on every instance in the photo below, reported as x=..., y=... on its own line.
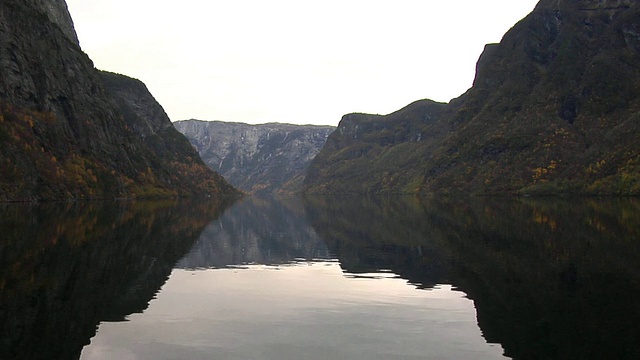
x=292, y=61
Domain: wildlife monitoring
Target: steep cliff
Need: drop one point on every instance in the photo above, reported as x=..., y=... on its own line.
x=268, y=158
x=65, y=134
x=555, y=108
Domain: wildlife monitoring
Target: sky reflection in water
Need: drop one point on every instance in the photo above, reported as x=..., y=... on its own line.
x=302, y=310
x=261, y=283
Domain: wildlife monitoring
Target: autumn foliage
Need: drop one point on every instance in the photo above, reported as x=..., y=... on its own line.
x=35, y=165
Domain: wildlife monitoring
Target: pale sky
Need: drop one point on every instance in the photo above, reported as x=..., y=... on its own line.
x=292, y=61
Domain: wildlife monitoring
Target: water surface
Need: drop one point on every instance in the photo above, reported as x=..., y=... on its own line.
x=323, y=278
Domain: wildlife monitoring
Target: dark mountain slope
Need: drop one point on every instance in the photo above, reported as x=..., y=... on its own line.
x=63, y=135
x=373, y=153
x=554, y=109
x=172, y=159
x=259, y=159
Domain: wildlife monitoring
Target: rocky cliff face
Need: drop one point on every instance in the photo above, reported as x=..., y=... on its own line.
x=136, y=104
x=68, y=131
x=554, y=108
x=269, y=158
x=57, y=12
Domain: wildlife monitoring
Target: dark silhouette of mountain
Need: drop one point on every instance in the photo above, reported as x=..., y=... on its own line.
x=267, y=158
x=68, y=131
x=554, y=109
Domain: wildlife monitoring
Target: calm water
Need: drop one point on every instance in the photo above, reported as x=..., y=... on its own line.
x=322, y=278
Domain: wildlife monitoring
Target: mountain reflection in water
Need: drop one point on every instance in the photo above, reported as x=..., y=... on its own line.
x=257, y=231
x=549, y=279
x=64, y=268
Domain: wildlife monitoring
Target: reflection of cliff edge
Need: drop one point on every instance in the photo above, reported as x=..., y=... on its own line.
x=68, y=131
x=270, y=231
x=550, y=280
x=369, y=234
x=84, y=264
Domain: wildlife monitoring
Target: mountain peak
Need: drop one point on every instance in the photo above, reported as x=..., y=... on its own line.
x=544, y=116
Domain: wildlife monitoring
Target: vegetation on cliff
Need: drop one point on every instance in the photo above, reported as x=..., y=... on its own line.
x=33, y=165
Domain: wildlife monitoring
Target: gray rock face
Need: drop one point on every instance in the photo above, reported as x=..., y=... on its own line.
x=141, y=110
x=58, y=13
x=269, y=158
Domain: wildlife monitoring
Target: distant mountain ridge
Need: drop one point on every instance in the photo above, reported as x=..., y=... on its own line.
x=554, y=109
x=262, y=159
x=68, y=131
